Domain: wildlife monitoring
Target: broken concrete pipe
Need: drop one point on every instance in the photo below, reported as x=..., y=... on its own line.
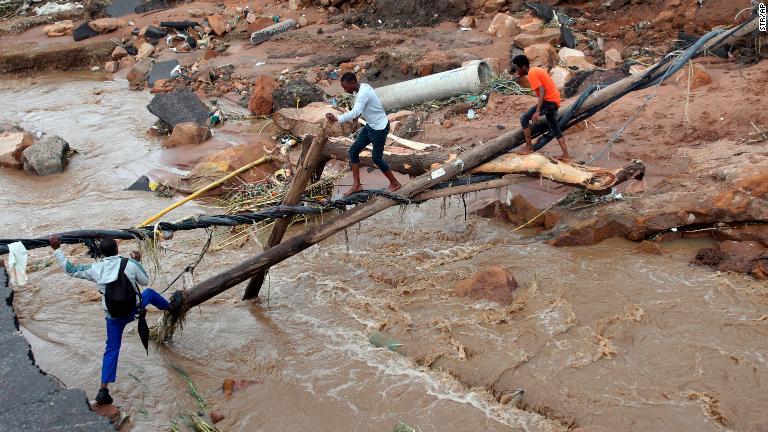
x=260, y=36
x=469, y=79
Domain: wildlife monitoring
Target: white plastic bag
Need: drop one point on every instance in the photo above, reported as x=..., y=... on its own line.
x=17, y=261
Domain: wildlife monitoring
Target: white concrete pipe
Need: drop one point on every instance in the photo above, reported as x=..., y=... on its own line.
x=469, y=79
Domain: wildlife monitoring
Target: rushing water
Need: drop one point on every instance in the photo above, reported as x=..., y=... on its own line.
x=600, y=335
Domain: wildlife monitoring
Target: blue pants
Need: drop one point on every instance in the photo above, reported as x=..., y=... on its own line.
x=369, y=135
x=549, y=110
x=115, y=327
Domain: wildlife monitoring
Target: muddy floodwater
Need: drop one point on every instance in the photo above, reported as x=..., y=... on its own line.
x=599, y=337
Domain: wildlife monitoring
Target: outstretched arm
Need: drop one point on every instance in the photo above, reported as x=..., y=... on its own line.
x=357, y=110
x=82, y=271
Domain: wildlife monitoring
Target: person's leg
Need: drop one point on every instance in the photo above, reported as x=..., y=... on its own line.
x=151, y=297
x=554, y=127
x=111, y=353
x=379, y=139
x=355, y=149
x=525, y=122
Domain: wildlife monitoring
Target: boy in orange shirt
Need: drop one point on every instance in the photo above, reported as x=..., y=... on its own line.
x=549, y=102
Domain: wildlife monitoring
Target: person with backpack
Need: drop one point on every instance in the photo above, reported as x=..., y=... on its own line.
x=118, y=280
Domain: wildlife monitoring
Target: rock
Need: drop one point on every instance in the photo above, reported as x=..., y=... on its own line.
x=545, y=35
x=127, y=62
x=637, y=69
x=216, y=416
x=138, y=74
x=650, y=248
x=110, y=411
x=119, y=52
x=47, y=156
x=494, y=5
x=760, y=269
x=561, y=76
x=574, y=58
x=218, y=24
x=260, y=102
x=503, y=25
x=294, y=4
x=60, y=28
x=259, y=24
x=663, y=17
x=467, y=22
x=541, y=55
x=733, y=256
x=105, y=25
x=447, y=124
x=295, y=93
x=613, y=58
x=111, y=66
x=197, y=13
x=530, y=23
x=495, y=64
x=179, y=107
x=309, y=120
x=303, y=21
x=494, y=283
x=145, y=51
x=187, y=134
x=12, y=145
x=698, y=74
x=518, y=212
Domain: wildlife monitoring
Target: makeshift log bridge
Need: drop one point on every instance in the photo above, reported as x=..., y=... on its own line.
x=463, y=163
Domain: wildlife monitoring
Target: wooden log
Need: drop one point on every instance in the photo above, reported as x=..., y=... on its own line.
x=536, y=164
x=465, y=162
x=304, y=173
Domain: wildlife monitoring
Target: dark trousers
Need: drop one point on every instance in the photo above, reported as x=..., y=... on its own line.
x=549, y=110
x=368, y=135
x=115, y=327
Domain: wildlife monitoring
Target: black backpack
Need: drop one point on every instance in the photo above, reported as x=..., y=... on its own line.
x=120, y=295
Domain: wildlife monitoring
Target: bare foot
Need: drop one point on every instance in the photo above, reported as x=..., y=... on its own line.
x=564, y=158
x=525, y=152
x=393, y=187
x=353, y=189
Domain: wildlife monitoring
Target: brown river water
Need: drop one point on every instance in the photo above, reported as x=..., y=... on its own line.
x=599, y=337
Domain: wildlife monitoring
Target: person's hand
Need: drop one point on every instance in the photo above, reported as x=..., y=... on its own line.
x=535, y=116
x=55, y=241
x=136, y=255
x=331, y=118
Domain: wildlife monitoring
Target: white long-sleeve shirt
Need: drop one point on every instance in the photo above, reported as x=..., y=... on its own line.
x=103, y=272
x=368, y=105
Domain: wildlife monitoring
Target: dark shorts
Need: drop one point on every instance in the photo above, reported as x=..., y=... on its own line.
x=549, y=110
x=369, y=135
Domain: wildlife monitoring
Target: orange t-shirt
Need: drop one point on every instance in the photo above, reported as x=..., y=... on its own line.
x=539, y=77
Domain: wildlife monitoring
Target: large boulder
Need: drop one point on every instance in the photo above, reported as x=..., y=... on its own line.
x=519, y=211
x=546, y=35
x=575, y=59
x=187, y=134
x=48, y=156
x=494, y=283
x=296, y=94
x=12, y=145
x=310, y=119
x=179, y=107
x=503, y=25
x=261, y=99
x=541, y=55
x=218, y=24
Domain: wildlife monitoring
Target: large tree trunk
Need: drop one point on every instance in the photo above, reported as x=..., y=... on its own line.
x=466, y=161
x=537, y=164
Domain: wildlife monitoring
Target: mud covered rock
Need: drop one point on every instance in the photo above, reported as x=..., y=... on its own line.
x=696, y=74
x=561, y=76
x=613, y=58
x=48, y=156
x=575, y=59
x=138, y=74
x=545, y=35
x=12, y=145
x=732, y=256
x=649, y=248
x=310, y=120
x=261, y=100
x=494, y=283
x=541, y=55
x=187, y=134
x=296, y=94
x=518, y=212
x=218, y=24
x=105, y=25
x=467, y=22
